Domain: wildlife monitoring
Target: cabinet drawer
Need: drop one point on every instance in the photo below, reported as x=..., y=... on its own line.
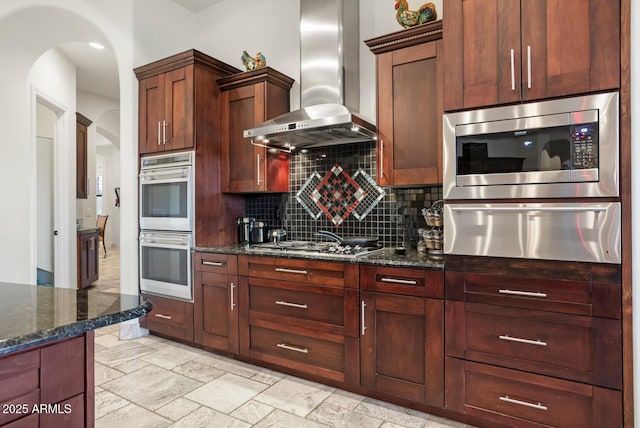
x=311, y=351
x=573, y=347
x=575, y=297
x=215, y=263
x=522, y=399
x=19, y=374
x=406, y=281
x=314, y=304
x=311, y=272
x=170, y=317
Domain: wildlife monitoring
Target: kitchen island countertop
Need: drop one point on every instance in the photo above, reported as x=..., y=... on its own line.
x=385, y=257
x=34, y=315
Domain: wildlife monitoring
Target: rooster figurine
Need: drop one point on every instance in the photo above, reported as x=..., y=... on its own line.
x=252, y=63
x=409, y=18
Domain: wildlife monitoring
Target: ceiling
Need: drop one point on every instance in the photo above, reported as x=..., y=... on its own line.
x=197, y=5
x=96, y=70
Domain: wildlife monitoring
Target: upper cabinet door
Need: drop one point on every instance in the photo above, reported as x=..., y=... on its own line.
x=409, y=93
x=505, y=51
x=151, y=113
x=177, y=126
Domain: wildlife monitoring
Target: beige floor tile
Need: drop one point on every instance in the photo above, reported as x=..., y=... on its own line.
x=226, y=393
x=268, y=376
x=108, y=402
x=132, y=416
x=252, y=411
x=208, y=418
x=336, y=416
x=280, y=419
x=131, y=366
x=108, y=340
x=237, y=367
x=151, y=387
x=105, y=374
x=295, y=396
x=391, y=413
x=344, y=399
x=177, y=409
x=126, y=351
x=169, y=357
x=198, y=371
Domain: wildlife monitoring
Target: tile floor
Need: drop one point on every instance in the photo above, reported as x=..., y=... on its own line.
x=153, y=382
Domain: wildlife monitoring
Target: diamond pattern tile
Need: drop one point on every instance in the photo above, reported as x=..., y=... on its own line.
x=337, y=195
x=372, y=194
x=304, y=197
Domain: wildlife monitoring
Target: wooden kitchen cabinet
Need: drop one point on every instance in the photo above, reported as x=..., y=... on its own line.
x=533, y=343
x=410, y=106
x=170, y=100
x=401, y=336
x=302, y=315
x=169, y=318
x=88, y=265
x=215, y=287
x=249, y=99
x=530, y=50
x=82, y=178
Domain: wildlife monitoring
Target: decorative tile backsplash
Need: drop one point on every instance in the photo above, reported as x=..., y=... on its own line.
x=332, y=188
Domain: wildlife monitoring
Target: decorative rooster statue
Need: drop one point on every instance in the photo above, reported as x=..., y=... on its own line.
x=251, y=63
x=409, y=18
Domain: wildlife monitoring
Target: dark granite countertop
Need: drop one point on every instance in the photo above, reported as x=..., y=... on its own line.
x=32, y=315
x=385, y=257
x=87, y=230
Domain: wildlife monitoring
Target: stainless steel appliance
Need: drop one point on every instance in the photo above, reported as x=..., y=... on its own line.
x=165, y=264
x=562, y=148
x=166, y=192
x=587, y=232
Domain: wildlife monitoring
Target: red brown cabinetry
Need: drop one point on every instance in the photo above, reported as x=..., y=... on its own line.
x=58, y=376
x=401, y=333
x=249, y=99
x=82, y=183
x=533, y=343
x=88, y=264
x=505, y=51
x=169, y=318
x=409, y=93
x=215, y=288
x=301, y=315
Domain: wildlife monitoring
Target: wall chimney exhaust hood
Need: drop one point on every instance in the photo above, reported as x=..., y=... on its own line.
x=329, y=83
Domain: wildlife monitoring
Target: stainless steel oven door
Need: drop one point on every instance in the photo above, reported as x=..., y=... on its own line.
x=166, y=197
x=586, y=232
x=165, y=264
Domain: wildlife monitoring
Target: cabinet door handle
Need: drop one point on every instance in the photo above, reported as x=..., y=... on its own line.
x=232, y=288
x=293, y=305
x=258, y=170
x=529, y=67
x=208, y=263
x=363, y=326
x=520, y=340
x=513, y=71
x=158, y=132
x=522, y=293
x=293, y=348
x=381, y=158
x=538, y=406
x=164, y=132
x=166, y=317
x=399, y=281
x=298, y=271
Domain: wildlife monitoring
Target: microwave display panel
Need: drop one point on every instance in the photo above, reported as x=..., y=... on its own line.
x=544, y=149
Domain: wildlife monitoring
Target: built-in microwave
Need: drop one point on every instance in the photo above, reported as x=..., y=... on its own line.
x=563, y=148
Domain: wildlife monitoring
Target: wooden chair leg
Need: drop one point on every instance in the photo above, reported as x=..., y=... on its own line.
x=105, y=249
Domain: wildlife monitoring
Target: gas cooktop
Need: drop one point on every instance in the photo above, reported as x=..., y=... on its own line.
x=311, y=248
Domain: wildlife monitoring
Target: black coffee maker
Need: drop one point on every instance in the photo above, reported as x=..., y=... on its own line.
x=245, y=227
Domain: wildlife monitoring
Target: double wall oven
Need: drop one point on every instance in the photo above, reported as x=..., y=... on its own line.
x=537, y=180
x=166, y=224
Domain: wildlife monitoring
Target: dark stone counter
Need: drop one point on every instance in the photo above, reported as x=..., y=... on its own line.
x=32, y=315
x=385, y=257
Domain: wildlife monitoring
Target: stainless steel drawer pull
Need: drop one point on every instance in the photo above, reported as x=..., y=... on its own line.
x=399, y=281
x=522, y=293
x=513, y=71
x=538, y=406
x=301, y=272
x=166, y=317
x=293, y=305
x=293, y=348
x=519, y=340
x=363, y=325
x=207, y=263
x=232, y=287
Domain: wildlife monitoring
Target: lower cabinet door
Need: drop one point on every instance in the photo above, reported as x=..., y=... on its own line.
x=67, y=414
x=401, y=342
x=216, y=311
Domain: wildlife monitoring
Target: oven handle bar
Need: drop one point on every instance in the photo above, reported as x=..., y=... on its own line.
x=530, y=209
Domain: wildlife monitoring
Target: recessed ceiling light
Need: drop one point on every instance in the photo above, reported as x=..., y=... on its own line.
x=96, y=45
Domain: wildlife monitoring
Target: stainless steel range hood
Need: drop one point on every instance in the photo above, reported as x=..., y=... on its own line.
x=329, y=82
